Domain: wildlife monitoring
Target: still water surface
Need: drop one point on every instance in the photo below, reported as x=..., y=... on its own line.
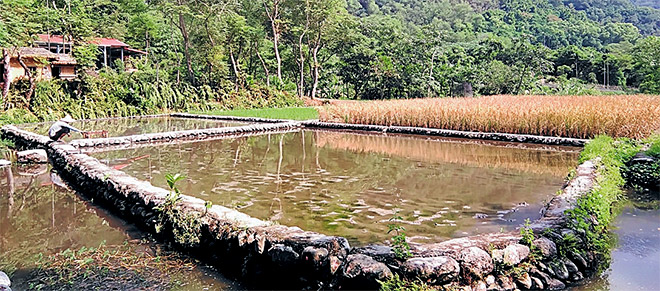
x=636, y=257
x=132, y=126
x=351, y=185
x=38, y=217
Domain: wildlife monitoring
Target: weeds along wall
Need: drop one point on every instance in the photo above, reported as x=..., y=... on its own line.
x=112, y=94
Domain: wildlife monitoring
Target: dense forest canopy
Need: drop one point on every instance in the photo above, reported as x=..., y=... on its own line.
x=368, y=49
x=648, y=3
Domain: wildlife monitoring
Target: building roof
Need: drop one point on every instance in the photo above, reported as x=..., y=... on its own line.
x=45, y=38
x=35, y=52
x=100, y=41
x=64, y=59
x=136, y=51
x=110, y=42
x=53, y=58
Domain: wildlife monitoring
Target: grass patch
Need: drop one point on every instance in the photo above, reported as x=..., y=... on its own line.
x=395, y=283
x=598, y=205
x=108, y=268
x=294, y=113
x=654, y=145
x=633, y=116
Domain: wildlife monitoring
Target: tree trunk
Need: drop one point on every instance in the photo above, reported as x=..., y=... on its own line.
x=186, y=47
x=315, y=67
x=522, y=77
x=32, y=80
x=5, y=77
x=234, y=66
x=301, y=66
x=273, y=16
x=263, y=63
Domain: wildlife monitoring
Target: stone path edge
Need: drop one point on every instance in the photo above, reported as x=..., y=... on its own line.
x=522, y=138
x=194, y=135
x=266, y=251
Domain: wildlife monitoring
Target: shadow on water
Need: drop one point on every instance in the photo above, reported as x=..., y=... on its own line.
x=349, y=184
x=39, y=217
x=636, y=258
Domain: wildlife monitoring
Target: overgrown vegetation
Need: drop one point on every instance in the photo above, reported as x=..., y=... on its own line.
x=362, y=48
x=567, y=116
x=593, y=214
x=118, y=94
x=185, y=227
x=654, y=145
x=294, y=113
x=106, y=267
x=644, y=174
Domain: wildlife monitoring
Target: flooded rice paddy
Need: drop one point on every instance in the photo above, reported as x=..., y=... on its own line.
x=132, y=126
x=39, y=218
x=351, y=185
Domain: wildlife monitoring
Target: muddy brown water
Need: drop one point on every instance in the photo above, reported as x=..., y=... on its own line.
x=133, y=126
x=40, y=218
x=351, y=185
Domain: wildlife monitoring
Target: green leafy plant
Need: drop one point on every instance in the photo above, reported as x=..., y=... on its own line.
x=207, y=205
x=185, y=227
x=593, y=213
x=527, y=234
x=400, y=246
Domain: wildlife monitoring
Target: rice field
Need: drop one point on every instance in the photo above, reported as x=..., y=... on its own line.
x=634, y=116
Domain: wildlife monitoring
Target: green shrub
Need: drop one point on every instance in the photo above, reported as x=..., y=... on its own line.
x=112, y=94
x=654, y=146
x=611, y=156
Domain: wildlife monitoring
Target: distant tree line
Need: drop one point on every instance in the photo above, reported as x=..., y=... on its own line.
x=364, y=49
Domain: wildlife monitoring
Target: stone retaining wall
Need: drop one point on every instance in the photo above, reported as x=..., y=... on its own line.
x=274, y=256
x=229, y=118
x=185, y=135
x=450, y=133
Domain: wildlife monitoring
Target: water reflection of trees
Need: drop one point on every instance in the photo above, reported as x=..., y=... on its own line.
x=37, y=217
x=303, y=179
x=556, y=163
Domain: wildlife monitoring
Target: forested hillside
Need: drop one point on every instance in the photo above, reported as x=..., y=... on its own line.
x=368, y=49
x=648, y=3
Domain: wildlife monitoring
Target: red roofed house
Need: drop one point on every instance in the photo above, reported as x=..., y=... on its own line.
x=51, y=58
x=110, y=49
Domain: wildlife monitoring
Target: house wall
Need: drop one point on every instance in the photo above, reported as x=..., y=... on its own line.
x=16, y=71
x=67, y=71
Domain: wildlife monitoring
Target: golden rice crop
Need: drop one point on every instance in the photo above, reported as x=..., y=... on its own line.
x=634, y=116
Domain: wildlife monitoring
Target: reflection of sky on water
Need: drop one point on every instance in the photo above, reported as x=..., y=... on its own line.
x=636, y=259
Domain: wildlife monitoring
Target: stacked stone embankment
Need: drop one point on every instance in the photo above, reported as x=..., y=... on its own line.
x=275, y=256
x=523, y=138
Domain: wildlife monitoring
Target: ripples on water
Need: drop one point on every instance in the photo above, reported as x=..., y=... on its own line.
x=351, y=184
x=636, y=257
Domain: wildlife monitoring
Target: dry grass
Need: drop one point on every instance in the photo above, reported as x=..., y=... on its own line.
x=634, y=116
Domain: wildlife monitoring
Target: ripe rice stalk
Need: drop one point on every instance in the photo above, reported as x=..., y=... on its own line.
x=634, y=116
